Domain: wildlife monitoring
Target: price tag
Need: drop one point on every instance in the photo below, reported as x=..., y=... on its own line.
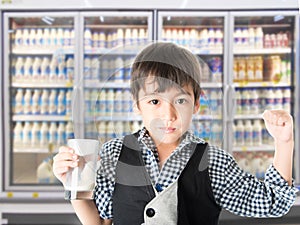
x=244, y=148
x=35, y=195
x=10, y=194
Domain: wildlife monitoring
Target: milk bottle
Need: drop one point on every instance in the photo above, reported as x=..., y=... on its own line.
x=245, y=38
x=251, y=38
x=259, y=37
x=88, y=101
x=69, y=102
x=269, y=99
x=254, y=102
x=110, y=101
x=258, y=68
x=216, y=130
x=61, y=103
x=61, y=71
x=44, y=172
x=180, y=37
x=203, y=38
x=45, y=102
x=70, y=68
x=39, y=38
x=36, y=70
x=238, y=99
x=26, y=38
x=237, y=38
x=257, y=133
x=127, y=102
x=168, y=35
x=53, y=133
x=248, y=133
x=239, y=135
x=61, y=134
x=87, y=39
x=128, y=36
x=26, y=134
x=87, y=68
x=67, y=38
x=95, y=40
x=35, y=105
x=119, y=70
x=44, y=134
x=32, y=38
x=102, y=103
x=95, y=67
x=218, y=39
x=53, y=102
x=286, y=103
x=28, y=69
x=35, y=134
x=18, y=135
x=257, y=167
x=45, y=69
x=278, y=99
x=246, y=102
x=18, y=102
x=211, y=38
x=47, y=38
x=102, y=40
x=69, y=130
x=101, y=127
x=53, y=38
x=53, y=69
x=27, y=102
x=18, y=39
x=194, y=38
x=118, y=109
x=142, y=36
x=186, y=38
x=19, y=68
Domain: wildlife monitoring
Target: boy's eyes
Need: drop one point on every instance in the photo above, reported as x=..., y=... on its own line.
x=181, y=101
x=154, y=101
x=178, y=101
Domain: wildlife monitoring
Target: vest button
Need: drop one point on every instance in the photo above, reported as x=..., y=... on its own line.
x=150, y=212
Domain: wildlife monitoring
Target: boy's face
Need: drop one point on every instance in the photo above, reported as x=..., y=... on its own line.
x=166, y=115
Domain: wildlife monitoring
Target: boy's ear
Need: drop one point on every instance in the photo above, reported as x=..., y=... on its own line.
x=197, y=106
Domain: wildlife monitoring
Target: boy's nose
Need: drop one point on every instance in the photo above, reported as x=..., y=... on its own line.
x=169, y=112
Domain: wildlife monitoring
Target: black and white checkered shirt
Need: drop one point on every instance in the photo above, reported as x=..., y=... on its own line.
x=234, y=190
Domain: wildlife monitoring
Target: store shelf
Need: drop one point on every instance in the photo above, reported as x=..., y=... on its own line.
x=264, y=51
x=43, y=150
x=247, y=117
x=119, y=50
x=43, y=51
x=40, y=118
x=45, y=84
x=253, y=148
x=263, y=84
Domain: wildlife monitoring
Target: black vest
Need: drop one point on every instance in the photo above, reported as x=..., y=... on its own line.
x=133, y=189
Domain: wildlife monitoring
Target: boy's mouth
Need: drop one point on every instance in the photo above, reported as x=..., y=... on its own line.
x=167, y=130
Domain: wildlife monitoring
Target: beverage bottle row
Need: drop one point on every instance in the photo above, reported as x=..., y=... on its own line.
x=209, y=131
x=255, y=163
x=250, y=133
x=41, y=134
x=211, y=38
x=257, y=68
x=106, y=130
x=255, y=101
x=43, y=38
x=211, y=101
x=42, y=102
x=254, y=37
x=114, y=38
x=42, y=69
x=115, y=69
x=108, y=102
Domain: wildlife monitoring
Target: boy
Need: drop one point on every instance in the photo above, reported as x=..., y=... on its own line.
x=165, y=175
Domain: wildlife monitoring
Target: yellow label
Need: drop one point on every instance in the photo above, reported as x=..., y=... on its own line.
x=35, y=194
x=244, y=148
x=10, y=194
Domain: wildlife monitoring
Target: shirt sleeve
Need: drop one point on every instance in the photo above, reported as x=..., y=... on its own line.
x=105, y=180
x=243, y=194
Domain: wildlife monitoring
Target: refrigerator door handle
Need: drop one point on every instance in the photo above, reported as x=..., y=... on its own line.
x=229, y=103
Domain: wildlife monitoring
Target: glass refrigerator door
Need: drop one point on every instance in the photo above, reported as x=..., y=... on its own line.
x=203, y=34
x=39, y=70
x=263, y=76
x=111, y=41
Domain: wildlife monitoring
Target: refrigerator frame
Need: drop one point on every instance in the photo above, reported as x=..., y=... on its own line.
x=296, y=75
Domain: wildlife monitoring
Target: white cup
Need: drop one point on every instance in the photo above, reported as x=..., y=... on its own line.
x=80, y=181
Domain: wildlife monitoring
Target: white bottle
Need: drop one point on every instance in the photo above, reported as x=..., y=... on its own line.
x=60, y=37
x=39, y=38
x=203, y=39
x=102, y=40
x=35, y=134
x=87, y=39
x=95, y=40
x=36, y=69
x=87, y=68
x=26, y=134
x=44, y=105
x=70, y=68
x=28, y=69
x=18, y=134
x=142, y=36
x=238, y=99
x=53, y=102
x=18, y=102
x=110, y=130
x=119, y=70
x=72, y=38
x=53, y=69
x=53, y=133
x=239, y=135
x=127, y=102
x=95, y=69
x=254, y=102
x=237, y=38
x=69, y=102
x=245, y=38
x=118, y=100
x=32, y=37
x=44, y=135
x=44, y=172
x=246, y=102
x=278, y=99
x=251, y=38
x=269, y=99
x=69, y=130
x=257, y=166
x=45, y=69
x=110, y=102
x=19, y=70
x=26, y=39
x=46, y=38
x=53, y=38
x=259, y=38
x=61, y=134
x=286, y=104
x=61, y=103
x=18, y=39
x=27, y=102
x=61, y=71
x=248, y=133
x=216, y=131
x=257, y=133
x=101, y=127
x=119, y=129
x=120, y=37
x=211, y=38
x=35, y=103
x=128, y=39
x=218, y=39
x=102, y=103
x=67, y=38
